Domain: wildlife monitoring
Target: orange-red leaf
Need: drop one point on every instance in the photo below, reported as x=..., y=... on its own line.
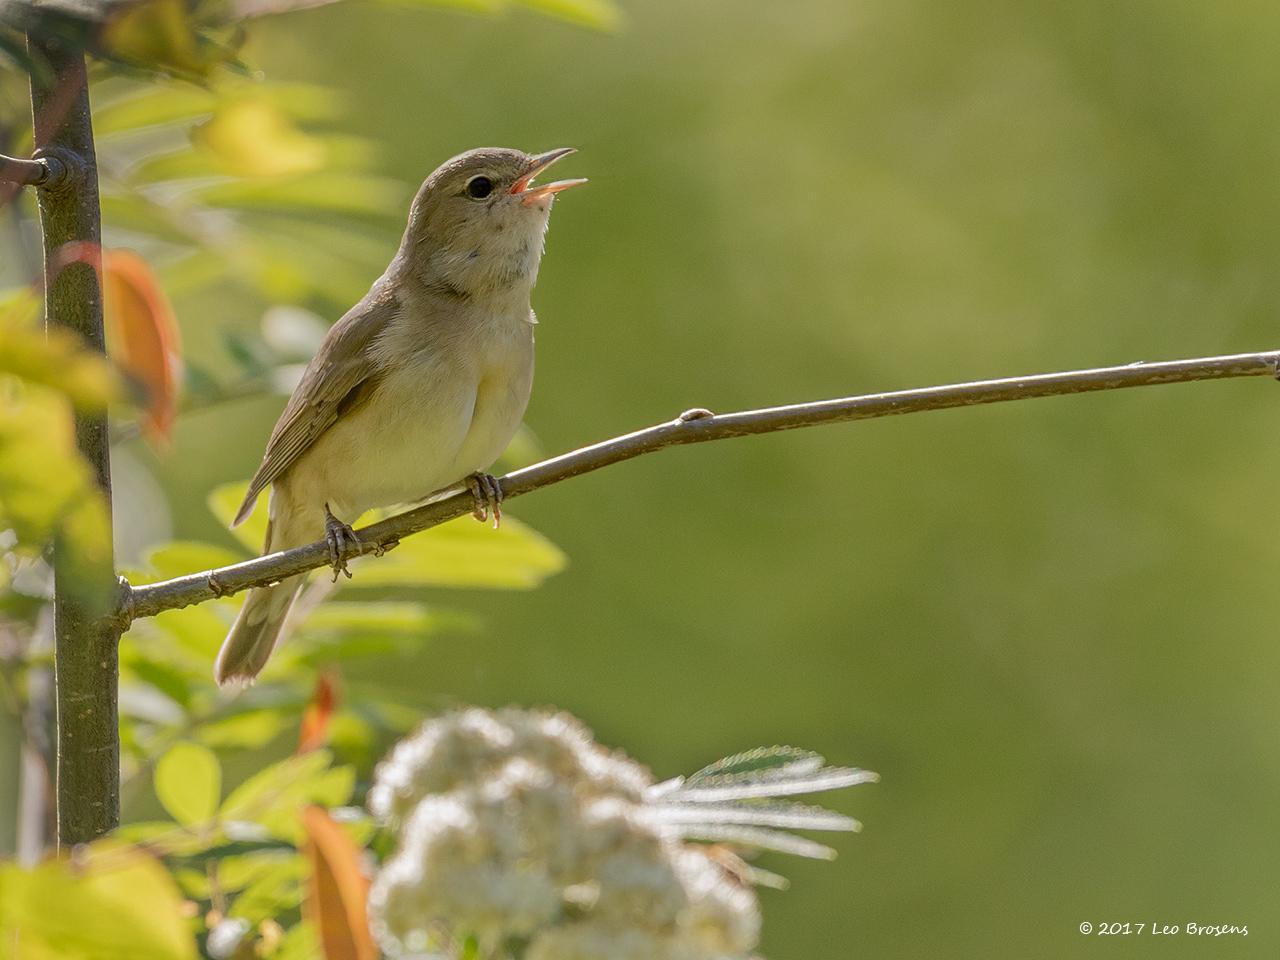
x=144, y=336
x=338, y=889
x=320, y=709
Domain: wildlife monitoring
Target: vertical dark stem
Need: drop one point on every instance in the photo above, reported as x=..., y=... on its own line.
x=85, y=641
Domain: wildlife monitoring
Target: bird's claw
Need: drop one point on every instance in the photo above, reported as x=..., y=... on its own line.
x=487, y=494
x=341, y=539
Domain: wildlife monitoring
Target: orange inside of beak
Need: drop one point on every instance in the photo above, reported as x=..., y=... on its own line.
x=537, y=193
x=540, y=163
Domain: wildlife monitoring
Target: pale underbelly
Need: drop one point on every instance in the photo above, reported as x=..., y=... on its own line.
x=409, y=441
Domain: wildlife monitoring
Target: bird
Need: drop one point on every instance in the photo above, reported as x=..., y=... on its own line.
x=419, y=387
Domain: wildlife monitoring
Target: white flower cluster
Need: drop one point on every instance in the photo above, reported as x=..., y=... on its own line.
x=519, y=834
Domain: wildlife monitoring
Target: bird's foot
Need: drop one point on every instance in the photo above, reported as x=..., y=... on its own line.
x=487, y=494
x=341, y=539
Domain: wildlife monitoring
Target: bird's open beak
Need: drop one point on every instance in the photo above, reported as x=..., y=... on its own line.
x=529, y=193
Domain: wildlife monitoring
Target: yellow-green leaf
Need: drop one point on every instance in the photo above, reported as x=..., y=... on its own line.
x=300, y=943
x=252, y=137
x=57, y=359
x=460, y=553
x=154, y=105
x=224, y=501
x=114, y=902
x=321, y=191
x=464, y=553
x=474, y=6
x=19, y=306
x=383, y=618
x=188, y=783
x=196, y=630
x=47, y=491
x=161, y=35
x=277, y=890
x=139, y=214
x=246, y=731
x=599, y=14
x=272, y=798
x=181, y=557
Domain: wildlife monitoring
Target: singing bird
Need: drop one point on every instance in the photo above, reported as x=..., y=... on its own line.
x=420, y=386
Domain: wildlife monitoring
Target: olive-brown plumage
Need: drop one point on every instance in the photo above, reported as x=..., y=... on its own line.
x=420, y=385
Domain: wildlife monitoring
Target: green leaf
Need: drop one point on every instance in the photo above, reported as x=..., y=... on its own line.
x=162, y=35
x=194, y=883
x=137, y=214
x=290, y=259
x=198, y=631
x=272, y=797
x=252, y=137
x=112, y=902
x=224, y=501
x=166, y=103
x=323, y=192
x=473, y=6
x=164, y=677
x=55, y=358
x=179, y=557
x=246, y=731
x=338, y=630
x=275, y=890
x=300, y=943
x=47, y=492
x=19, y=307
x=380, y=618
x=238, y=871
x=353, y=737
x=188, y=783
x=463, y=553
x=598, y=14
x=162, y=103
x=183, y=164
x=14, y=52
x=163, y=838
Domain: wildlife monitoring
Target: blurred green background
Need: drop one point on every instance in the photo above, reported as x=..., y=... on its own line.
x=1050, y=626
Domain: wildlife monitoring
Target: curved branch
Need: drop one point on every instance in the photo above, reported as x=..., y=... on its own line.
x=692, y=426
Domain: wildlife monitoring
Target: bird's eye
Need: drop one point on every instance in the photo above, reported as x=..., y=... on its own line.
x=479, y=187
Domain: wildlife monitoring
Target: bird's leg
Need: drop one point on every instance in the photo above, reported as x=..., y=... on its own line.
x=340, y=538
x=487, y=494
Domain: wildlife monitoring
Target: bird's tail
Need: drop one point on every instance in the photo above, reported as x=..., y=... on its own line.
x=257, y=629
x=254, y=634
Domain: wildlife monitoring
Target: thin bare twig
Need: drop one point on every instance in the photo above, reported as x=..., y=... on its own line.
x=28, y=173
x=692, y=426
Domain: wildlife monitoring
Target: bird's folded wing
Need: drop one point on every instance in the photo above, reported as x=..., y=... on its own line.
x=342, y=370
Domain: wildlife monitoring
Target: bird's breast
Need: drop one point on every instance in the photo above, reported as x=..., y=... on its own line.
x=504, y=381
x=438, y=413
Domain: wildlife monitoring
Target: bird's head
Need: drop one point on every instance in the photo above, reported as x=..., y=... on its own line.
x=477, y=224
